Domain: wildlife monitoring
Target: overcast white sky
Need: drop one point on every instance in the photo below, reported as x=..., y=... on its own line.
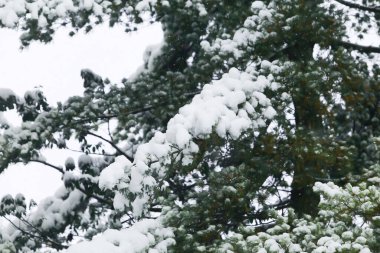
x=56, y=67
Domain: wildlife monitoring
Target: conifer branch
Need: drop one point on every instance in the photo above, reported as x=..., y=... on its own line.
x=44, y=238
x=111, y=143
x=90, y=153
x=359, y=6
x=98, y=198
x=48, y=164
x=360, y=48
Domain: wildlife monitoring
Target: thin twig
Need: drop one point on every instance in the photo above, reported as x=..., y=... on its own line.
x=90, y=153
x=111, y=143
x=48, y=164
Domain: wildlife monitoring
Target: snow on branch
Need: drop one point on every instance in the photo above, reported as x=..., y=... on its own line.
x=142, y=236
x=39, y=18
x=228, y=107
x=44, y=12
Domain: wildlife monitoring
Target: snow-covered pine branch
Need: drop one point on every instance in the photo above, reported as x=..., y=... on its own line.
x=221, y=137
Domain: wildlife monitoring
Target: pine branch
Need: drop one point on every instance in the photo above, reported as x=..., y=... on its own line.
x=98, y=198
x=44, y=238
x=359, y=6
x=263, y=226
x=90, y=153
x=48, y=164
x=111, y=143
x=108, y=117
x=360, y=48
x=38, y=231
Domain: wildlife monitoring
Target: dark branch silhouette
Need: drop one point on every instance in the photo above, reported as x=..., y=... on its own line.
x=359, y=6
x=360, y=48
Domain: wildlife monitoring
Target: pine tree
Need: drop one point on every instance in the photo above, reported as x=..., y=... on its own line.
x=260, y=132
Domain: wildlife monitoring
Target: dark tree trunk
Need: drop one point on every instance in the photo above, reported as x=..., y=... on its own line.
x=309, y=126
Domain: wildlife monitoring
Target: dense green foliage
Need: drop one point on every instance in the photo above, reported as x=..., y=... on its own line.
x=301, y=176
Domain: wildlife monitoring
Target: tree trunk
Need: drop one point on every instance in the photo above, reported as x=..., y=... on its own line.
x=309, y=125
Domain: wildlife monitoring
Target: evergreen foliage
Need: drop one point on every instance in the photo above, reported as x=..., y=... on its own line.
x=253, y=127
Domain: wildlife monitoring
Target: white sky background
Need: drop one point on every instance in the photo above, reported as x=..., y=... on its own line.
x=56, y=67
